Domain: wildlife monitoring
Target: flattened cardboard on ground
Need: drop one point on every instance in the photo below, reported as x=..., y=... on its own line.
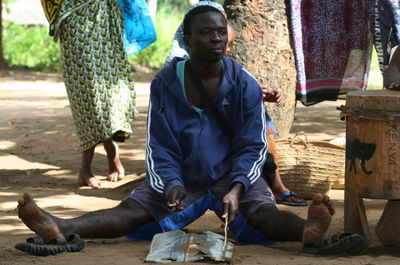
x=189, y=247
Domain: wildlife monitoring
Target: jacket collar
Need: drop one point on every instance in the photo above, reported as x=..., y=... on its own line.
x=169, y=78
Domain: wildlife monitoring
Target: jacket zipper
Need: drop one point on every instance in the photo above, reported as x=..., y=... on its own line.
x=198, y=172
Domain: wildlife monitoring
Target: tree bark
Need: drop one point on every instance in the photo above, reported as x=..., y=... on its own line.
x=262, y=46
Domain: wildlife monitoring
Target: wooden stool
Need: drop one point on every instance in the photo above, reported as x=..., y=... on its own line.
x=373, y=161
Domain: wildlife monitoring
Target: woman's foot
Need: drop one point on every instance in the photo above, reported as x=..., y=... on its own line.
x=319, y=218
x=116, y=170
x=289, y=198
x=37, y=220
x=283, y=195
x=87, y=178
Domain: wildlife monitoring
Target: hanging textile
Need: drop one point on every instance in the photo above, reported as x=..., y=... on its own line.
x=332, y=43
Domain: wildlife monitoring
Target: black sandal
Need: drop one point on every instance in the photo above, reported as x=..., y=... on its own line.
x=36, y=245
x=341, y=243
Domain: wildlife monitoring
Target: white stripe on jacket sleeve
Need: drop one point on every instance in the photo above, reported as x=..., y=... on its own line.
x=255, y=171
x=155, y=180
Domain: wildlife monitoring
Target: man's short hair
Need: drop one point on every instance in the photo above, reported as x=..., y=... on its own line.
x=187, y=21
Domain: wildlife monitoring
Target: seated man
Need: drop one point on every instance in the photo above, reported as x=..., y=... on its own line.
x=281, y=193
x=192, y=166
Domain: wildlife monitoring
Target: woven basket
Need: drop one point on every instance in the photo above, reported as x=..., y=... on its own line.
x=309, y=167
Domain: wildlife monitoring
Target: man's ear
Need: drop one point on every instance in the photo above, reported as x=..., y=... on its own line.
x=186, y=39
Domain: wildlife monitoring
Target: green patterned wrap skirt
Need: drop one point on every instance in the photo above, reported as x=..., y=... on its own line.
x=96, y=70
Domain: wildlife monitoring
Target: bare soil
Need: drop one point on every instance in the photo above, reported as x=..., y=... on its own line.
x=39, y=154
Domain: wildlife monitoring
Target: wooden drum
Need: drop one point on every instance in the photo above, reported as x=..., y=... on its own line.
x=372, y=160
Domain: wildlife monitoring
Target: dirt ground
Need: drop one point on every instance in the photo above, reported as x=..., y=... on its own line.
x=39, y=154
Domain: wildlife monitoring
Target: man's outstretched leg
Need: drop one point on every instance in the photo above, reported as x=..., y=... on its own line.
x=286, y=226
x=108, y=223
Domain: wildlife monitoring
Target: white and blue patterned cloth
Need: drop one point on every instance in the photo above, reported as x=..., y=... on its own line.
x=139, y=31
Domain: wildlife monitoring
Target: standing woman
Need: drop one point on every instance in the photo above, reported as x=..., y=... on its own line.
x=98, y=80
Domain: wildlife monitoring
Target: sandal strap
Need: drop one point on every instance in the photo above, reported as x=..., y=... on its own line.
x=315, y=244
x=339, y=236
x=35, y=240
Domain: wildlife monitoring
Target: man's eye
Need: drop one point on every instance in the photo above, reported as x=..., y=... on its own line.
x=205, y=33
x=223, y=32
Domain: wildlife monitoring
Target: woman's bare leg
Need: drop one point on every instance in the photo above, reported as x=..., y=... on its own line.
x=277, y=185
x=116, y=170
x=278, y=188
x=86, y=176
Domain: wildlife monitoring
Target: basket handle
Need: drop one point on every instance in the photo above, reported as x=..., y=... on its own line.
x=296, y=139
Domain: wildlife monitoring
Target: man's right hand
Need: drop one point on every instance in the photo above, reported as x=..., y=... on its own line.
x=175, y=198
x=231, y=202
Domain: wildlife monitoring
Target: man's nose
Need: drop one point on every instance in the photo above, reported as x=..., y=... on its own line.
x=216, y=36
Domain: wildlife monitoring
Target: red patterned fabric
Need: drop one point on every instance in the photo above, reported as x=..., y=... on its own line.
x=333, y=42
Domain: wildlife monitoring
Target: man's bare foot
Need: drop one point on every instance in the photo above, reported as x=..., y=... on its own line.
x=37, y=220
x=319, y=218
x=87, y=178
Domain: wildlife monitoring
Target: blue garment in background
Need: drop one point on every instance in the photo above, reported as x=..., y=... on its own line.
x=139, y=31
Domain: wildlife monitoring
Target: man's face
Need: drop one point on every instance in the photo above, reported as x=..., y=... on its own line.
x=208, y=37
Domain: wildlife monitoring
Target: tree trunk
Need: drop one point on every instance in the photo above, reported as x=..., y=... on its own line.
x=2, y=60
x=262, y=46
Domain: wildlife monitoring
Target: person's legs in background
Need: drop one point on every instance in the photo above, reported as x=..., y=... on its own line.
x=86, y=176
x=282, y=194
x=116, y=170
